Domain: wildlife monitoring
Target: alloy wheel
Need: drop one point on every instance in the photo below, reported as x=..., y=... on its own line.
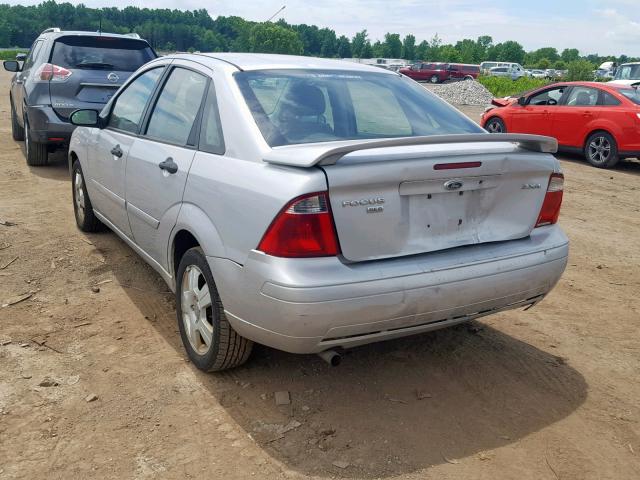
x=78, y=193
x=494, y=127
x=599, y=150
x=197, y=312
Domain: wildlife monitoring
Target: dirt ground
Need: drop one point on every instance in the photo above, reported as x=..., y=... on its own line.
x=551, y=393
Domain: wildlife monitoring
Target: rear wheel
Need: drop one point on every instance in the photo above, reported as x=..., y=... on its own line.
x=85, y=217
x=601, y=150
x=434, y=79
x=17, y=132
x=37, y=153
x=495, y=125
x=210, y=341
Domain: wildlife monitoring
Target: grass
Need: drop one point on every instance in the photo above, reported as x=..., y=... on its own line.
x=504, y=87
x=10, y=54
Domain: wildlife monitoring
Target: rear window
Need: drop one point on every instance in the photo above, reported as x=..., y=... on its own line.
x=293, y=107
x=628, y=72
x=631, y=93
x=107, y=53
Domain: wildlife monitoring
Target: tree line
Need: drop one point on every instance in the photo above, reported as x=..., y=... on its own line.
x=171, y=30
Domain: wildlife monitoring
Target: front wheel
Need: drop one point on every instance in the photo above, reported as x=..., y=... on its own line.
x=85, y=217
x=495, y=125
x=434, y=79
x=601, y=150
x=37, y=153
x=210, y=341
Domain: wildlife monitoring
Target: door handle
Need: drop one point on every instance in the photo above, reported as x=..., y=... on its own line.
x=116, y=151
x=169, y=165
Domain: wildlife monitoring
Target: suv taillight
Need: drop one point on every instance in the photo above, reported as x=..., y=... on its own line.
x=303, y=228
x=47, y=72
x=550, y=210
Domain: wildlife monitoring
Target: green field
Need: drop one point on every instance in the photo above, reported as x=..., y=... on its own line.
x=503, y=86
x=10, y=54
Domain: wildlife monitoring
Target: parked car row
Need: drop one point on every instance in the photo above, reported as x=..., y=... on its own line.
x=600, y=120
x=306, y=204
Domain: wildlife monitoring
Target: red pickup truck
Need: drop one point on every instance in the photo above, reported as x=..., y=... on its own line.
x=440, y=72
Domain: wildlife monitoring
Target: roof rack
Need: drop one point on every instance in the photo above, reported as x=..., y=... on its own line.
x=49, y=30
x=132, y=35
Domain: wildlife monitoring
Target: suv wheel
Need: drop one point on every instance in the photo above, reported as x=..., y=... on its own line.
x=209, y=339
x=85, y=217
x=434, y=79
x=37, y=153
x=601, y=150
x=17, y=132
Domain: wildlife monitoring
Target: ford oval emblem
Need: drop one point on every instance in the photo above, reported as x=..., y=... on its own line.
x=453, y=185
x=113, y=77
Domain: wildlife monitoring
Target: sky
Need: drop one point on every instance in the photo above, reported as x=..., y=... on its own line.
x=606, y=27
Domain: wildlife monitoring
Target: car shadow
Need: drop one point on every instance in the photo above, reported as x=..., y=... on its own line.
x=56, y=169
x=390, y=408
x=628, y=165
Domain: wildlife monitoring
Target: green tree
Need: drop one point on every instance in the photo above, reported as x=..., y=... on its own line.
x=580, y=70
x=422, y=50
x=358, y=44
x=272, y=38
x=448, y=53
x=570, y=55
x=409, y=47
x=510, y=51
x=560, y=65
x=392, y=46
x=344, y=47
x=543, y=63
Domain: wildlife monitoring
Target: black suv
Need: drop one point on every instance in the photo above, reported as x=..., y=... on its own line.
x=65, y=71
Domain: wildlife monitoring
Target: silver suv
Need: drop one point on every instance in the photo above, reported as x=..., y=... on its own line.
x=313, y=205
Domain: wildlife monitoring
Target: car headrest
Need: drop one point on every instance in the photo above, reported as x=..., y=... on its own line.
x=304, y=99
x=583, y=98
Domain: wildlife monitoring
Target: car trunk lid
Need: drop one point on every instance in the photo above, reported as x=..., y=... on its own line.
x=404, y=200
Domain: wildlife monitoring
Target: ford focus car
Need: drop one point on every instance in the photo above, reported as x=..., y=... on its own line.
x=601, y=121
x=314, y=205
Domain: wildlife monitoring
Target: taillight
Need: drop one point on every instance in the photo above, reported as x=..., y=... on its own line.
x=48, y=72
x=303, y=228
x=550, y=210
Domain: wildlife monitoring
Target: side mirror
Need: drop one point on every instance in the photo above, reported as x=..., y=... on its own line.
x=21, y=57
x=12, y=66
x=522, y=101
x=85, y=118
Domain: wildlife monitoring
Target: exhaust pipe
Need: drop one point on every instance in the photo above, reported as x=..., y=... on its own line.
x=332, y=357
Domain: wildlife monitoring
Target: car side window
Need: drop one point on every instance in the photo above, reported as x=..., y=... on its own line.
x=583, y=97
x=377, y=111
x=33, y=54
x=608, y=99
x=548, y=97
x=175, y=112
x=211, y=138
x=128, y=108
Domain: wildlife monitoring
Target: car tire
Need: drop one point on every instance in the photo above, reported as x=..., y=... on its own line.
x=434, y=79
x=209, y=339
x=17, y=132
x=37, y=153
x=495, y=125
x=83, y=210
x=601, y=150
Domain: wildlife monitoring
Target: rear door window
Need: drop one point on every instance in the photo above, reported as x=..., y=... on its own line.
x=177, y=107
x=107, y=53
x=128, y=108
x=33, y=54
x=608, y=99
x=582, y=97
x=211, y=138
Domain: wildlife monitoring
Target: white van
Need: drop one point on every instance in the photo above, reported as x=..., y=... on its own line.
x=627, y=74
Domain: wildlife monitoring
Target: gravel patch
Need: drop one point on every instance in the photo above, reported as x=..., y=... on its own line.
x=462, y=93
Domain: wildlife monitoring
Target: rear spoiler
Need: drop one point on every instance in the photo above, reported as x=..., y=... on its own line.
x=308, y=155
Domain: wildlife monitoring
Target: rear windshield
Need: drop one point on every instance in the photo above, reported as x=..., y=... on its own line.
x=292, y=107
x=107, y=53
x=632, y=94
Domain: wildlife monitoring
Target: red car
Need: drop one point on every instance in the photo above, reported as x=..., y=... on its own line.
x=600, y=120
x=440, y=72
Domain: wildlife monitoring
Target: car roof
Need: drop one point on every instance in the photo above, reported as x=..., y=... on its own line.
x=263, y=61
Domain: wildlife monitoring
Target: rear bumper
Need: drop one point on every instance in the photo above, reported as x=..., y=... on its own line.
x=47, y=127
x=310, y=305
